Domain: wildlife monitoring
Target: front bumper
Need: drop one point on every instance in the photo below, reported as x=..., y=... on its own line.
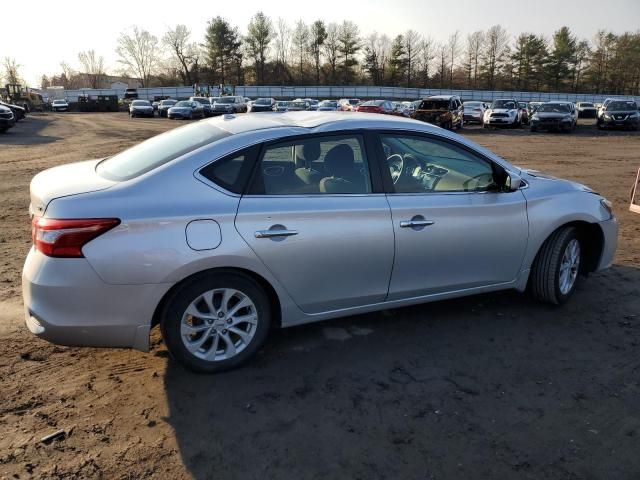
x=142, y=113
x=472, y=117
x=624, y=122
x=7, y=122
x=500, y=121
x=66, y=303
x=610, y=233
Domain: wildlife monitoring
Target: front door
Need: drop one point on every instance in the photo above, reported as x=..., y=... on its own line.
x=312, y=218
x=453, y=229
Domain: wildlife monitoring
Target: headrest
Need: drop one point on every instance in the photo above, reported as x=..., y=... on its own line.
x=339, y=161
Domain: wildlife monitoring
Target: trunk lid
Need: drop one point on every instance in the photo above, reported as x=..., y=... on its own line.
x=63, y=181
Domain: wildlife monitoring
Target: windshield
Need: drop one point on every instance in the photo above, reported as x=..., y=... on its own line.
x=284, y=104
x=58, y=101
x=183, y=103
x=354, y=101
x=328, y=103
x=506, y=104
x=300, y=104
x=159, y=150
x=140, y=103
x=168, y=102
x=472, y=104
x=619, y=106
x=372, y=103
x=225, y=100
x=201, y=100
x=262, y=101
x=583, y=104
x=434, y=105
x=553, y=108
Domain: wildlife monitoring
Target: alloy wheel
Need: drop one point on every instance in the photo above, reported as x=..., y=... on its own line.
x=569, y=266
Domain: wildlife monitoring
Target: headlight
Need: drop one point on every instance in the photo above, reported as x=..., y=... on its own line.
x=608, y=206
x=633, y=115
x=607, y=116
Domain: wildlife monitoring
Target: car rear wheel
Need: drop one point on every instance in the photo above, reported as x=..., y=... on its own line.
x=554, y=273
x=216, y=322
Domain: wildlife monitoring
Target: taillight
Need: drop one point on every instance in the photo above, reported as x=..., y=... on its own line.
x=65, y=238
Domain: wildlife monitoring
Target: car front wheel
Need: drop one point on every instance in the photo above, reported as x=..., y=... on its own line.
x=216, y=322
x=554, y=273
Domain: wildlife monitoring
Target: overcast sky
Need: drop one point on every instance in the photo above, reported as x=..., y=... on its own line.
x=56, y=30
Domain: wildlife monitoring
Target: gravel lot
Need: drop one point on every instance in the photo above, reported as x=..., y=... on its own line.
x=491, y=387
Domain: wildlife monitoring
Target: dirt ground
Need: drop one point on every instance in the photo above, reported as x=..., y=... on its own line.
x=488, y=387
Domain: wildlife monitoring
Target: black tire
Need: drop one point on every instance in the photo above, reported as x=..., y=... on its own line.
x=533, y=129
x=171, y=319
x=544, y=280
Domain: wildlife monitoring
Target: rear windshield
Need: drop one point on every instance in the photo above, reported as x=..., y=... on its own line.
x=506, y=104
x=159, y=150
x=434, y=105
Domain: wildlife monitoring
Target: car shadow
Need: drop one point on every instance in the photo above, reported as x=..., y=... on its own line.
x=488, y=386
x=28, y=131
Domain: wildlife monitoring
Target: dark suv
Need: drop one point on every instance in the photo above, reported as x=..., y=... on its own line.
x=619, y=113
x=445, y=111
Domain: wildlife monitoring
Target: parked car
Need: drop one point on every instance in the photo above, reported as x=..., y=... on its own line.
x=298, y=106
x=328, y=106
x=7, y=119
x=186, y=110
x=503, y=112
x=445, y=111
x=348, y=104
x=533, y=106
x=155, y=104
x=60, y=106
x=177, y=232
x=19, y=113
x=263, y=105
x=473, y=111
x=400, y=109
x=586, y=110
x=376, y=106
x=206, y=104
x=553, y=116
x=524, y=112
x=229, y=104
x=141, y=108
x=620, y=114
x=282, y=105
x=313, y=104
x=130, y=93
x=165, y=105
x=602, y=107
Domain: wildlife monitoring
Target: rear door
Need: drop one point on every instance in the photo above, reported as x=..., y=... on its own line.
x=452, y=231
x=323, y=230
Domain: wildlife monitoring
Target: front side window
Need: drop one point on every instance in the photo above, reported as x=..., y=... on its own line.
x=428, y=165
x=314, y=165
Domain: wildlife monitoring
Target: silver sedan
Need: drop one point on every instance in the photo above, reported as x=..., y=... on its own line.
x=222, y=229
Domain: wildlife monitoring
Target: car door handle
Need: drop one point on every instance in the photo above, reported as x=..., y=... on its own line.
x=275, y=233
x=416, y=223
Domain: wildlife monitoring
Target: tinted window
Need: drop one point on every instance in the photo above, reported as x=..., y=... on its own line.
x=426, y=165
x=434, y=105
x=232, y=172
x=317, y=165
x=159, y=150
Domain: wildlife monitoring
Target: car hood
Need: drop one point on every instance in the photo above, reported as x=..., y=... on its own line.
x=551, y=114
x=4, y=109
x=179, y=108
x=535, y=177
x=503, y=110
x=64, y=181
x=620, y=112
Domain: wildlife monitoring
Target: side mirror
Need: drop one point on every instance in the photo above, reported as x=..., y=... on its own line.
x=512, y=182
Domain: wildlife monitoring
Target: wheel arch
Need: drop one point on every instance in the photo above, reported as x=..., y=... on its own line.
x=592, y=240
x=274, y=301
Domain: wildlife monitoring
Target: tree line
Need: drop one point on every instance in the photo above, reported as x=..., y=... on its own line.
x=274, y=52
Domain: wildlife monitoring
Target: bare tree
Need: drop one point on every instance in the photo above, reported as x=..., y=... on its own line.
x=185, y=52
x=301, y=46
x=475, y=43
x=412, y=51
x=428, y=53
x=11, y=73
x=443, y=62
x=332, y=49
x=283, y=48
x=495, y=45
x=453, y=47
x=138, y=53
x=92, y=66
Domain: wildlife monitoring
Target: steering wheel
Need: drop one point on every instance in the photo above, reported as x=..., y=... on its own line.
x=479, y=179
x=396, y=165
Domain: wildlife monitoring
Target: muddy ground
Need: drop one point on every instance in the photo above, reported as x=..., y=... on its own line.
x=490, y=387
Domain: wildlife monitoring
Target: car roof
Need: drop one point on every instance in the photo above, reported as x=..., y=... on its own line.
x=441, y=97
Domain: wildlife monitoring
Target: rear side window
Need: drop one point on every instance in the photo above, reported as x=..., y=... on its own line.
x=232, y=172
x=314, y=165
x=159, y=150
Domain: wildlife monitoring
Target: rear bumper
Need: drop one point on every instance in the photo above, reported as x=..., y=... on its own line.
x=66, y=303
x=610, y=233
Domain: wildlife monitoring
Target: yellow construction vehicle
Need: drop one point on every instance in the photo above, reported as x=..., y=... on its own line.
x=22, y=97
